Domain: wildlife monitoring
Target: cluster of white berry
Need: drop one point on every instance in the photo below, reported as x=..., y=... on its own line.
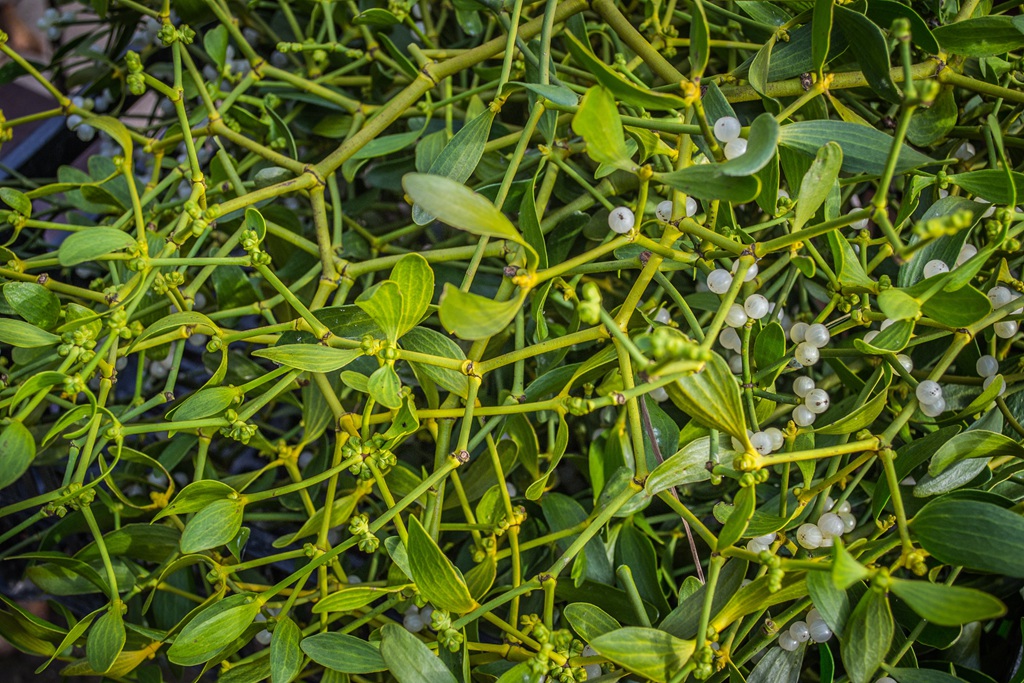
x=84, y=131
x=1000, y=296
x=417, y=619
x=929, y=395
x=809, y=340
x=53, y=22
x=767, y=441
x=988, y=368
x=759, y=544
x=816, y=401
x=814, y=629
x=831, y=525
x=727, y=130
x=720, y=279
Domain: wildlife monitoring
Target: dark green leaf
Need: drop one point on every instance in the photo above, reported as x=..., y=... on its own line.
x=869, y=46
x=865, y=150
x=213, y=526
x=645, y=651
x=981, y=36
x=884, y=12
x=91, y=244
x=817, y=183
x=344, y=653
x=707, y=181
x=33, y=302
x=17, y=451
x=821, y=36
x=214, y=628
x=409, y=660
x=743, y=509
x=455, y=163
x=106, y=639
x=762, y=142
x=962, y=532
x=712, y=398
x=437, y=579
x=25, y=335
x=866, y=636
x=947, y=605
x=616, y=85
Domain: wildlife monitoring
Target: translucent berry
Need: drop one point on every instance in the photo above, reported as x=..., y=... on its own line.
x=799, y=630
x=621, y=220
x=935, y=267
x=928, y=391
x=809, y=536
x=831, y=525
x=691, y=207
x=736, y=316
x=797, y=332
x=1000, y=296
x=870, y=335
x=735, y=148
x=788, y=642
x=776, y=436
x=965, y=151
x=756, y=306
x=719, y=281
x=988, y=382
x=659, y=394
x=736, y=364
x=906, y=361
x=664, y=211
x=849, y=522
x=806, y=354
x=663, y=316
x=935, y=408
x=727, y=129
x=803, y=417
x=761, y=442
x=817, y=335
x=802, y=386
x=1005, y=329
x=820, y=632
x=817, y=401
x=730, y=339
x=967, y=252
x=751, y=271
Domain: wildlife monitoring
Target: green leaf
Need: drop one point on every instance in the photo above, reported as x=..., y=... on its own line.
x=762, y=142
x=415, y=280
x=974, y=443
x=375, y=17
x=285, y=655
x=821, y=34
x=385, y=387
x=991, y=184
x=616, y=86
x=865, y=150
x=736, y=524
x=686, y=466
x=817, y=183
x=712, y=398
x=213, y=526
x=17, y=451
x=833, y=604
x=769, y=346
x=589, y=621
x=892, y=339
x=25, y=335
x=309, y=357
x=456, y=164
x=437, y=579
x=354, y=597
x=344, y=653
x=458, y=206
x=869, y=46
x=846, y=571
x=778, y=666
x=930, y=125
x=758, y=75
x=648, y=652
x=213, y=629
x=598, y=122
x=216, y=44
x=118, y=132
x=204, y=403
x=409, y=660
x=195, y=497
x=947, y=605
x=33, y=302
x=254, y=221
x=883, y=12
x=471, y=316
x=981, y=36
x=962, y=532
x=426, y=340
x=898, y=305
x=558, y=94
x=186, y=319
x=91, y=244
x=17, y=201
x=959, y=308
x=384, y=303
x=700, y=40
x=707, y=181
x=106, y=639
x=859, y=418
x=867, y=636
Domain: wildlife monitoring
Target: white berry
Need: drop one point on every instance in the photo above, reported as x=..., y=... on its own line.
x=928, y=391
x=999, y=296
x=621, y=220
x=935, y=267
x=756, y=306
x=1005, y=329
x=736, y=316
x=817, y=401
x=820, y=632
x=802, y=386
x=799, y=630
x=751, y=271
x=767, y=539
x=797, y=332
x=659, y=394
x=906, y=361
x=844, y=507
x=719, y=281
x=817, y=335
x=806, y=354
x=812, y=616
x=727, y=129
x=809, y=536
x=788, y=642
x=849, y=522
x=761, y=442
x=691, y=207
x=803, y=416
x=730, y=340
x=870, y=335
x=736, y=364
x=662, y=316
x=967, y=252
x=965, y=151
x=886, y=679
x=664, y=211
x=935, y=408
x=831, y=525
x=413, y=623
x=735, y=148
x=776, y=437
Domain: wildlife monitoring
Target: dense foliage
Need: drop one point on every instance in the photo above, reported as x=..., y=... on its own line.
x=482, y=340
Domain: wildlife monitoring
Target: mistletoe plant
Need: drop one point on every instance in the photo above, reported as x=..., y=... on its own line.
x=502, y=341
